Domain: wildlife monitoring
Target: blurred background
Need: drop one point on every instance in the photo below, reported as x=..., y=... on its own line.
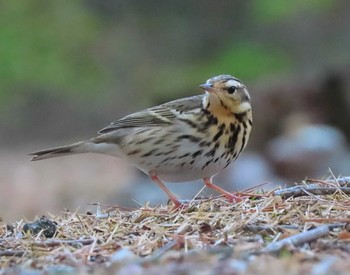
x=69, y=68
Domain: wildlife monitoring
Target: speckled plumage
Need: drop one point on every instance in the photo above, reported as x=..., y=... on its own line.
x=185, y=139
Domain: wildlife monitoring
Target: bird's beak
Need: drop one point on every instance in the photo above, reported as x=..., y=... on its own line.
x=208, y=87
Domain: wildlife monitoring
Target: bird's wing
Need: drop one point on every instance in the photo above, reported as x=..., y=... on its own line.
x=160, y=115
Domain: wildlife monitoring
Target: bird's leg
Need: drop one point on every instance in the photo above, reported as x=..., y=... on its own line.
x=171, y=196
x=231, y=197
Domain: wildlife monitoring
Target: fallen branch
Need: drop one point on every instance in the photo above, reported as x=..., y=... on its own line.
x=303, y=190
x=298, y=239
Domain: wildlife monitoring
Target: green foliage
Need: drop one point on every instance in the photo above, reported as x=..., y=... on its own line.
x=275, y=10
x=243, y=60
x=249, y=60
x=47, y=44
x=72, y=47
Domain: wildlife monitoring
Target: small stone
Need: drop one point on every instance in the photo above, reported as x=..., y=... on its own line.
x=43, y=224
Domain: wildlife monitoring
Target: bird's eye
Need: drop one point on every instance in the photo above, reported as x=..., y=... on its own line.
x=231, y=89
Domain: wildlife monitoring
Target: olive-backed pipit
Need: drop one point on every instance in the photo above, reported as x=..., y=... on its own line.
x=186, y=139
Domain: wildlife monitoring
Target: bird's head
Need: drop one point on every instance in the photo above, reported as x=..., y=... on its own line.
x=227, y=92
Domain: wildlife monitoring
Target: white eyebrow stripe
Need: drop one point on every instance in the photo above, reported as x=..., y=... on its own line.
x=234, y=83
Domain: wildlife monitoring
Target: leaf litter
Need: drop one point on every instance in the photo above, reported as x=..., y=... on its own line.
x=296, y=230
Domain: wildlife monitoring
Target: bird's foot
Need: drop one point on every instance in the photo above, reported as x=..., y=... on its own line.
x=233, y=198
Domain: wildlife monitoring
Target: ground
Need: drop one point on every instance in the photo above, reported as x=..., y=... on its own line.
x=295, y=231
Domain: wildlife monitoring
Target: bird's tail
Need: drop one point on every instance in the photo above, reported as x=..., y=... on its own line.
x=75, y=148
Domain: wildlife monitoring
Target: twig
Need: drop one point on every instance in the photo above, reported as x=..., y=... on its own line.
x=92, y=248
x=268, y=228
x=51, y=243
x=344, y=181
x=114, y=206
x=298, y=239
x=251, y=189
x=99, y=214
x=328, y=220
x=299, y=190
x=11, y=253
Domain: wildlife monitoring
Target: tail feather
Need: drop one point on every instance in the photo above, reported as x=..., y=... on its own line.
x=72, y=149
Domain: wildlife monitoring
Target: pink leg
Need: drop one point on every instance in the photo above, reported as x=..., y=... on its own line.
x=231, y=198
x=171, y=196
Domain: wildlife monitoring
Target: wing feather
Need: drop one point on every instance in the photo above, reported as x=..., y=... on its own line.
x=164, y=114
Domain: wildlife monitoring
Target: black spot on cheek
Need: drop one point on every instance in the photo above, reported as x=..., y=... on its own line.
x=245, y=98
x=240, y=116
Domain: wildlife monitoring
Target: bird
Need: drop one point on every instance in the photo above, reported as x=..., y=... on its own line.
x=182, y=140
